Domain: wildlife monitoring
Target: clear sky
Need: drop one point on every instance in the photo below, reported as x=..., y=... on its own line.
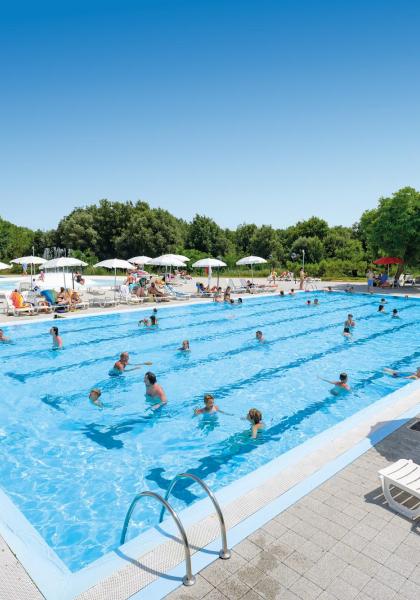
x=264, y=111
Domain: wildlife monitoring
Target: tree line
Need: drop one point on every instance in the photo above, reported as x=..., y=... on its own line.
x=125, y=229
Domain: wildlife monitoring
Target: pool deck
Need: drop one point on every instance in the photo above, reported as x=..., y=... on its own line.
x=339, y=541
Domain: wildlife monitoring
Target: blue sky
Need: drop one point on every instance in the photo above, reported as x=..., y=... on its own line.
x=264, y=111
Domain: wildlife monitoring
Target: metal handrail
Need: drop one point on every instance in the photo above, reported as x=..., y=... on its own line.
x=224, y=553
x=188, y=578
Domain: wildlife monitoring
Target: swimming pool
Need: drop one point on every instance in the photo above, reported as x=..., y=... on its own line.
x=73, y=469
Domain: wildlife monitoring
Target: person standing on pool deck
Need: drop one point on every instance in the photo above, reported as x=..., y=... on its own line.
x=301, y=278
x=369, y=277
x=154, y=390
x=57, y=341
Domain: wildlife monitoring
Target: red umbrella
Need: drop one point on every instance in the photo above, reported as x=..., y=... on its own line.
x=388, y=260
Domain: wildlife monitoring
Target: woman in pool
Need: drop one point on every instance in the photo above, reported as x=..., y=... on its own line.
x=395, y=314
x=254, y=416
x=381, y=309
x=185, y=346
x=349, y=321
x=57, y=341
x=347, y=332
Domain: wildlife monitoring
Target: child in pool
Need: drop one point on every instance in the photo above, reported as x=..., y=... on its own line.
x=94, y=396
x=185, y=346
x=254, y=416
x=209, y=406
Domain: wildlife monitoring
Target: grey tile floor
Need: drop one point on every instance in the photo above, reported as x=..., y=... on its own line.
x=340, y=542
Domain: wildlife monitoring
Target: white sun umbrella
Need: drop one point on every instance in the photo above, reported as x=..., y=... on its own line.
x=63, y=262
x=3, y=266
x=114, y=263
x=140, y=260
x=209, y=263
x=251, y=260
x=167, y=260
x=29, y=260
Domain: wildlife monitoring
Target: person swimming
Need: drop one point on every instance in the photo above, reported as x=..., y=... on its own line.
x=308, y=302
x=144, y=322
x=3, y=338
x=292, y=292
x=254, y=416
x=259, y=336
x=239, y=301
x=383, y=301
x=120, y=366
x=153, y=321
x=329, y=289
x=94, y=396
x=394, y=373
x=347, y=332
x=341, y=384
x=349, y=321
x=281, y=292
x=185, y=347
x=57, y=340
x=316, y=302
x=209, y=406
x=154, y=390
x=381, y=309
x=395, y=314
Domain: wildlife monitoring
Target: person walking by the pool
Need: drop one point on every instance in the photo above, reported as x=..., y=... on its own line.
x=394, y=373
x=259, y=336
x=254, y=416
x=154, y=390
x=121, y=364
x=341, y=384
x=349, y=322
x=57, y=340
x=302, y=276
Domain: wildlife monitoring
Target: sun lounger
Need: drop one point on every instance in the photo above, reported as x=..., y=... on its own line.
x=237, y=289
x=175, y=294
x=15, y=312
x=405, y=476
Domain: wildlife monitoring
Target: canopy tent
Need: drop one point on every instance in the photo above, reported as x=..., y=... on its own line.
x=209, y=263
x=114, y=263
x=251, y=260
x=388, y=260
x=63, y=262
x=29, y=260
x=140, y=260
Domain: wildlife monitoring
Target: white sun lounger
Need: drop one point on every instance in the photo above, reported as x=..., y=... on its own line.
x=404, y=475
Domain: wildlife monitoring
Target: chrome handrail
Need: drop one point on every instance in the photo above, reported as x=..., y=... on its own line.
x=224, y=553
x=188, y=578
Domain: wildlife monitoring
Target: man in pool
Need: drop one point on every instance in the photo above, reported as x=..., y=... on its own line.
x=185, y=346
x=394, y=373
x=120, y=366
x=395, y=314
x=57, y=341
x=154, y=390
x=259, y=336
x=341, y=384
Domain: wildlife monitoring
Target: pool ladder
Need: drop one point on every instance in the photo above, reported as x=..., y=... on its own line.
x=224, y=553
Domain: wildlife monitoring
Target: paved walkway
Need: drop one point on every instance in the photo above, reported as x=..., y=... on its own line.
x=340, y=542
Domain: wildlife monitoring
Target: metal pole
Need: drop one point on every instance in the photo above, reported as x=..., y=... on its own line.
x=303, y=259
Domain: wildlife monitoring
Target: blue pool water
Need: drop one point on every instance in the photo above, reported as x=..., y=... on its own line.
x=73, y=469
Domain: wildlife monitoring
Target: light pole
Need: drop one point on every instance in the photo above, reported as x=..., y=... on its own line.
x=303, y=259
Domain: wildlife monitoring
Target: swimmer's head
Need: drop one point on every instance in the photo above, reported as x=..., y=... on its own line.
x=239, y=300
x=150, y=378
x=54, y=330
x=94, y=394
x=395, y=311
x=316, y=301
x=349, y=316
x=254, y=416
x=258, y=335
x=124, y=357
x=383, y=300
x=308, y=302
x=155, y=310
x=185, y=345
x=209, y=400
x=343, y=377
x=281, y=293
x=381, y=308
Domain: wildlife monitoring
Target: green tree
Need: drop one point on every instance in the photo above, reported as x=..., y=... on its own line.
x=393, y=228
x=78, y=230
x=265, y=243
x=243, y=235
x=205, y=235
x=314, y=250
